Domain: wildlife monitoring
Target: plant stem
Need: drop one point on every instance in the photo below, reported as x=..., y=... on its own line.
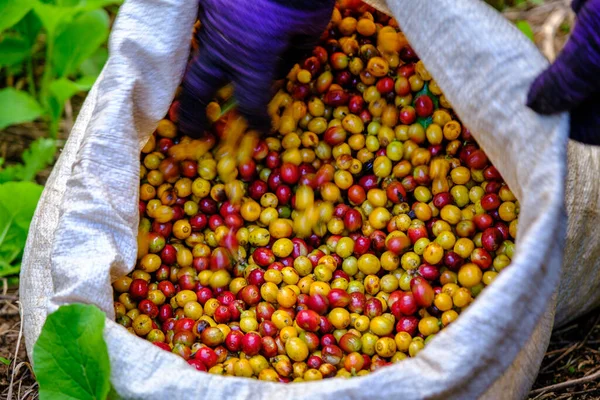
x=47, y=76
x=45, y=86
x=53, y=128
x=30, y=77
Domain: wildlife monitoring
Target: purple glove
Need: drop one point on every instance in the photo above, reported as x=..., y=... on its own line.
x=572, y=83
x=249, y=43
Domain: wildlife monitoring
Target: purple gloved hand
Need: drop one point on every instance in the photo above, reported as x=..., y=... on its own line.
x=249, y=43
x=572, y=83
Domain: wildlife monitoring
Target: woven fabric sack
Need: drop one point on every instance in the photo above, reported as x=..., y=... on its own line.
x=83, y=235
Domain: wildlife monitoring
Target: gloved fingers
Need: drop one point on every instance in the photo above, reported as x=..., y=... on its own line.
x=301, y=46
x=305, y=35
x=574, y=75
x=202, y=79
x=577, y=4
x=585, y=122
x=253, y=96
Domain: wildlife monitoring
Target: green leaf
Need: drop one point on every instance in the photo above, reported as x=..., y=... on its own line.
x=93, y=65
x=18, y=201
x=89, y=5
x=426, y=91
x=37, y=157
x=54, y=18
x=14, y=49
x=11, y=12
x=17, y=107
x=78, y=40
x=61, y=90
x=29, y=27
x=70, y=357
x=525, y=28
x=565, y=27
x=425, y=122
x=8, y=270
x=85, y=83
x=497, y=4
x=67, y=3
x=113, y=395
x=5, y=361
x=11, y=173
x=15, y=70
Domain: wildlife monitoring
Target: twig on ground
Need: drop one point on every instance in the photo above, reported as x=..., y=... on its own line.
x=68, y=116
x=572, y=348
x=515, y=14
x=565, y=329
x=569, y=383
x=549, y=30
x=566, y=353
x=557, y=351
x=6, y=310
x=14, y=371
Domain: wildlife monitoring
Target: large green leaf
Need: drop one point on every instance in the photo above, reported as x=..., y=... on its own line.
x=61, y=90
x=70, y=357
x=8, y=174
x=37, y=157
x=85, y=83
x=89, y=5
x=8, y=245
x=11, y=12
x=21, y=199
x=18, y=201
x=29, y=27
x=13, y=50
x=93, y=65
x=16, y=107
x=78, y=40
x=53, y=18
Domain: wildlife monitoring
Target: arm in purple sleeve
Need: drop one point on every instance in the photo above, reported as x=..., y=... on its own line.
x=572, y=83
x=248, y=44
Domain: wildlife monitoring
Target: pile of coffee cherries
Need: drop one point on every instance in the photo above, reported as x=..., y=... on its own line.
x=342, y=242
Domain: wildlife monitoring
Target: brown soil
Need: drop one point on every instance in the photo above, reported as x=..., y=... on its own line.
x=16, y=379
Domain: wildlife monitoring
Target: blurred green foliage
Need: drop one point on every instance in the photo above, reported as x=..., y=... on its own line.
x=50, y=50
x=19, y=195
x=522, y=25
x=501, y=5
x=58, y=47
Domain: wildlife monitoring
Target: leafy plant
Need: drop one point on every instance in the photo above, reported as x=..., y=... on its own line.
x=525, y=28
x=18, y=199
x=500, y=5
x=17, y=205
x=70, y=356
x=39, y=155
x=65, y=36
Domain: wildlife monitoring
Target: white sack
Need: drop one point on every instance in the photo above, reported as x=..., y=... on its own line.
x=83, y=235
